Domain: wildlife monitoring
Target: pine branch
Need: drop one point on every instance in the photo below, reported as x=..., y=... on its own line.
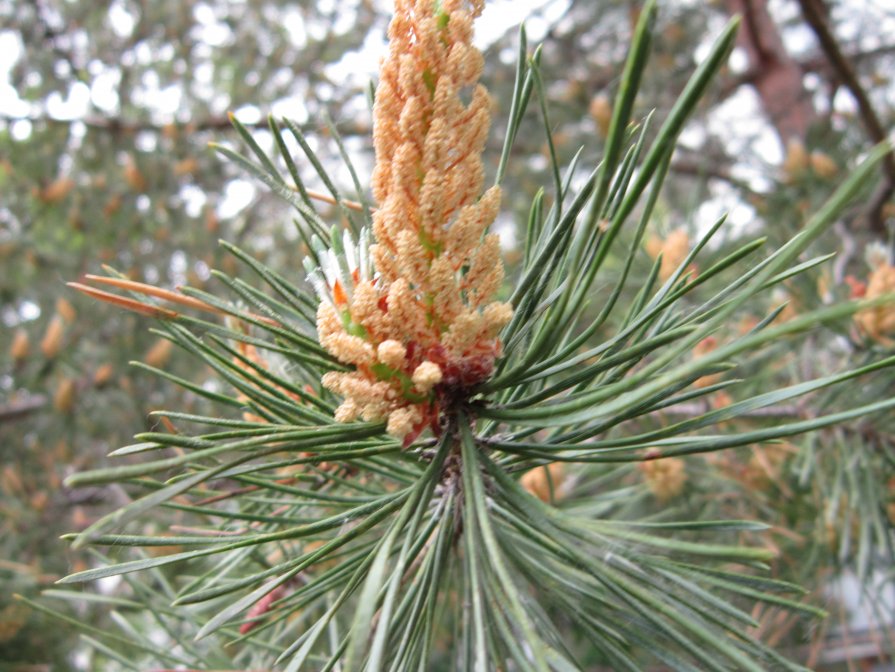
x=361, y=496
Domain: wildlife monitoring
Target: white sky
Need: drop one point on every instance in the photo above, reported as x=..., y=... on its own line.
x=742, y=111
x=499, y=16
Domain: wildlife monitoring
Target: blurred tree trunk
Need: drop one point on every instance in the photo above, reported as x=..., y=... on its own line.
x=775, y=74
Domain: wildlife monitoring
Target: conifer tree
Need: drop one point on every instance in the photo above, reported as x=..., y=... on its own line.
x=421, y=463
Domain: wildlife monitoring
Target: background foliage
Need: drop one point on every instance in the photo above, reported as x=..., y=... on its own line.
x=103, y=158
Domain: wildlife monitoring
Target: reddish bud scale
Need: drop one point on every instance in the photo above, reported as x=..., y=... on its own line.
x=255, y=615
x=339, y=294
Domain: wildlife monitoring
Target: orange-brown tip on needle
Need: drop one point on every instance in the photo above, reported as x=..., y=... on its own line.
x=326, y=198
x=123, y=302
x=152, y=290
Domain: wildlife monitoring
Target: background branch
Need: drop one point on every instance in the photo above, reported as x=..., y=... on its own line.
x=120, y=126
x=16, y=410
x=814, y=15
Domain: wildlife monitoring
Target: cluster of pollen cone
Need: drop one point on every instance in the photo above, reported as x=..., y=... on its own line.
x=409, y=308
